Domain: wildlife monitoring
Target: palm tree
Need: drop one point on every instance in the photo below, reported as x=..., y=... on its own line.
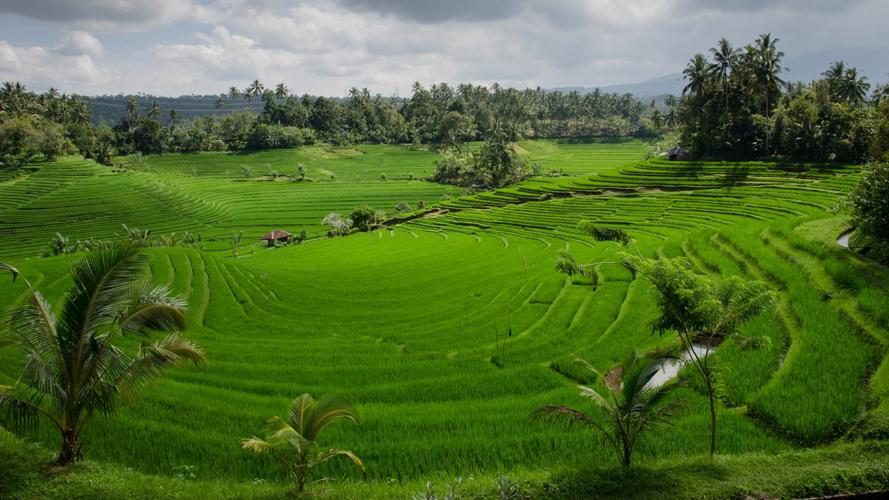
x=254, y=90
x=218, y=103
x=234, y=93
x=292, y=442
x=132, y=108
x=768, y=66
x=73, y=369
x=81, y=112
x=766, y=71
x=834, y=75
x=281, y=91
x=631, y=407
x=724, y=57
x=174, y=117
x=154, y=110
x=696, y=72
x=853, y=88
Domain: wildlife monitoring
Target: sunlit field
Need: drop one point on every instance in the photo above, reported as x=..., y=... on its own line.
x=447, y=331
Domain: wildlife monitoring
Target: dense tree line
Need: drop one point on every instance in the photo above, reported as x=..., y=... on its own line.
x=736, y=105
x=51, y=124
x=48, y=125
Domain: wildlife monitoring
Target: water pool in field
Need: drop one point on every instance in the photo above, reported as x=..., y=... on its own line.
x=670, y=367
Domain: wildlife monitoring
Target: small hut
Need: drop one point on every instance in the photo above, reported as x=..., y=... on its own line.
x=678, y=153
x=277, y=236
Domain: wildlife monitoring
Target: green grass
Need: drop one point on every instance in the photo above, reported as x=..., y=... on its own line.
x=839, y=469
x=448, y=331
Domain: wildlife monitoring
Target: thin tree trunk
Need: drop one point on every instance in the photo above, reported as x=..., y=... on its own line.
x=704, y=370
x=712, y=398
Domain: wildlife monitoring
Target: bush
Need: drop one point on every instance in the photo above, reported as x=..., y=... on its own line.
x=264, y=136
x=363, y=217
x=495, y=165
x=868, y=204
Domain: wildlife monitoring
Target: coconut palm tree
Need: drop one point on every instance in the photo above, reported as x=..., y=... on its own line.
x=281, y=91
x=73, y=369
x=631, y=406
x=768, y=67
x=154, y=110
x=853, y=88
x=132, y=108
x=766, y=71
x=254, y=90
x=834, y=75
x=218, y=103
x=293, y=441
x=696, y=72
x=234, y=92
x=724, y=59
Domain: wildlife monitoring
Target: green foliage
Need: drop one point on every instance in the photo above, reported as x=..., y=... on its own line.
x=737, y=106
x=868, y=204
x=363, y=217
x=494, y=165
x=293, y=441
x=694, y=303
x=632, y=405
x=72, y=367
x=604, y=233
x=21, y=139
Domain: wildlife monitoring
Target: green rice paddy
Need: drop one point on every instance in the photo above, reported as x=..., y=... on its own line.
x=446, y=330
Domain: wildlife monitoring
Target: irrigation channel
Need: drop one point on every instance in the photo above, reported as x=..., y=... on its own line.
x=670, y=367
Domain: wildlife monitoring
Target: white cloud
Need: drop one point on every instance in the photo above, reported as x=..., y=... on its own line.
x=41, y=68
x=78, y=43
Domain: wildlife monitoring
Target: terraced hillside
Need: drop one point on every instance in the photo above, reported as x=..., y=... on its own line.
x=449, y=330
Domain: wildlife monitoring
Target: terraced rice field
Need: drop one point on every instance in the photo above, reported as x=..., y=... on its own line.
x=446, y=330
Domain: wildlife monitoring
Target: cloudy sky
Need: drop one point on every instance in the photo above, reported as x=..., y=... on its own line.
x=323, y=47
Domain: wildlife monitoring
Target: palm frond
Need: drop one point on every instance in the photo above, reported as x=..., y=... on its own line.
x=327, y=455
x=104, y=374
x=563, y=413
x=300, y=412
x=35, y=325
x=153, y=359
x=102, y=284
x=152, y=309
x=329, y=410
x=7, y=267
x=44, y=376
x=282, y=432
x=18, y=414
x=256, y=445
x=597, y=398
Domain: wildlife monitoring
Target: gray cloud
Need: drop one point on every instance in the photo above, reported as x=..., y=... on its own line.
x=790, y=5
x=326, y=46
x=566, y=12
x=110, y=12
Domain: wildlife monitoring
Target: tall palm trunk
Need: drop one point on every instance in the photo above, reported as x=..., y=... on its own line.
x=767, y=124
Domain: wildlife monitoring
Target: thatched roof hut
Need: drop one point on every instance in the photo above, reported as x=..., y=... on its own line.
x=276, y=236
